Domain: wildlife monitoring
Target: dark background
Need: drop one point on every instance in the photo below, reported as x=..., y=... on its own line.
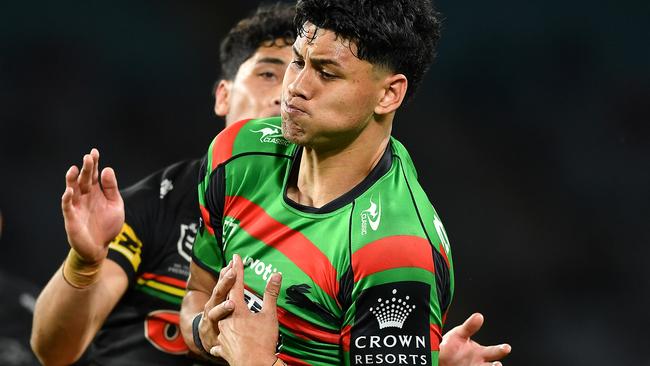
x=531, y=135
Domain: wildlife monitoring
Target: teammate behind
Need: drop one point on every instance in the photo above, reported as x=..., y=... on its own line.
x=330, y=200
x=120, y=302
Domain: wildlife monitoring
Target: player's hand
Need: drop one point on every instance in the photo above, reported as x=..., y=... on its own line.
x=216, y=308
x=458, y=349
x=93, y=216
x=238, y=343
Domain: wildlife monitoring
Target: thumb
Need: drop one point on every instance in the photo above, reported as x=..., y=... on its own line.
x=109, y=185
x=271, y=293
x=471, y=325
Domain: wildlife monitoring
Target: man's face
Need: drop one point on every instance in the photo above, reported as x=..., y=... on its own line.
x=328, y=94
x=255, y=91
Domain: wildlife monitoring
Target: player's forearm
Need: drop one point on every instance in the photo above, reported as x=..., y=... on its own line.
x=193, y=304
x=62, y=325
x=67, y=318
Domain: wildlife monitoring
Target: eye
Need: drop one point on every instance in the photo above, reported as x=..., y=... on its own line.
x=298, y=63
x=267, y=75
x=326, y=75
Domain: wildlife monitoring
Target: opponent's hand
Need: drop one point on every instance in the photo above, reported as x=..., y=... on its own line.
x=458, y=349
x=237, y=343
x=93, y=216
x=216, y=308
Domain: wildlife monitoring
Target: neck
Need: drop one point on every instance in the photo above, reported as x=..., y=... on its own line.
x=325, y=175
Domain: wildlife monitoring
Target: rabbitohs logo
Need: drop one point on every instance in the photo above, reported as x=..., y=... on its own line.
x=372, y=216
x=271, y=134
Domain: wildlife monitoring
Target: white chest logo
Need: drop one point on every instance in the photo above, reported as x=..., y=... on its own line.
x=372, y=216
x=271, y=134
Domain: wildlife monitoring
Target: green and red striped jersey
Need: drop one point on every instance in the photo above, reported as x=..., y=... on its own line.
x=367, y=278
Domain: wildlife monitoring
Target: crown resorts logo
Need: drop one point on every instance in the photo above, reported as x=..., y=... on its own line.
x=271, y=134
x=392, y=312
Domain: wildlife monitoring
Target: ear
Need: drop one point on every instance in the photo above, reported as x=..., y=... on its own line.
x=393, y=92
x=222, y=98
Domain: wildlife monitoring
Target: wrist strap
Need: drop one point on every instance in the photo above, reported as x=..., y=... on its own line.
x=197, y=338
x=78, y=273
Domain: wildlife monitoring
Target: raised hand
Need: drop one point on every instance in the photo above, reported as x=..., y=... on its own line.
x=93, y=216
x=458, y=349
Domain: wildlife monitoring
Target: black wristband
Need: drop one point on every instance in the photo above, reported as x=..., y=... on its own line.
x=197, y=338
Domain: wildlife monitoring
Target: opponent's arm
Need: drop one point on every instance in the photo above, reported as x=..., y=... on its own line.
x=74, y=304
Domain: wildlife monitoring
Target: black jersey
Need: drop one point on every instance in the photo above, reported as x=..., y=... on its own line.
x=154, y=249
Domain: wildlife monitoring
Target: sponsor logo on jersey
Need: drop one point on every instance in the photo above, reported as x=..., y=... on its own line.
x=260, y=268
x=371, y=216
x=392, y=326
x=186, y=240
x=165, y=186
x=254, y=304
x=271, y=134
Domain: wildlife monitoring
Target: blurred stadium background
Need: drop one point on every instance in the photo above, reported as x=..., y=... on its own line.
x=531, y=134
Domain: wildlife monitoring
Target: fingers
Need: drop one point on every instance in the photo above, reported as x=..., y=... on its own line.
x=271, y=293
x=85, y=177
x=221, y=289
x=470, y=326
x=216, y=351
x=495, y=363
x=221, y=311
x=94, y=154
x=71, y=182
x=495, y=353
x=109, y=184
x=66, y=202
x=236, y=293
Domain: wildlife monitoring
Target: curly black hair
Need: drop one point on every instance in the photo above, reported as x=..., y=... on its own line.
x=268, y=25
x=398, y=34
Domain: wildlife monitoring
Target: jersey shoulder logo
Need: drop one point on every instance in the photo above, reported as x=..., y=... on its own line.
x=371, y=216
x=271, y=134
x=186, y=240
x=165, y=186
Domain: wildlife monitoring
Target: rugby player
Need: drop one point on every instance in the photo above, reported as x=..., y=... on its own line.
x=123, y=309
x=134, y=296
x=324, y=200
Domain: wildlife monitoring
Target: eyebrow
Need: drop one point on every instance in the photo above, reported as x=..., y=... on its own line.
x=271, y=60
x=317, y=61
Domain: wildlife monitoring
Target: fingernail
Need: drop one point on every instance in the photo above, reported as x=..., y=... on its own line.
x=235, y=258
x=228, y=305
x=276, y=278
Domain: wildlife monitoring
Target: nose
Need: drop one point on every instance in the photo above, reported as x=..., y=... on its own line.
x=298, y=87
